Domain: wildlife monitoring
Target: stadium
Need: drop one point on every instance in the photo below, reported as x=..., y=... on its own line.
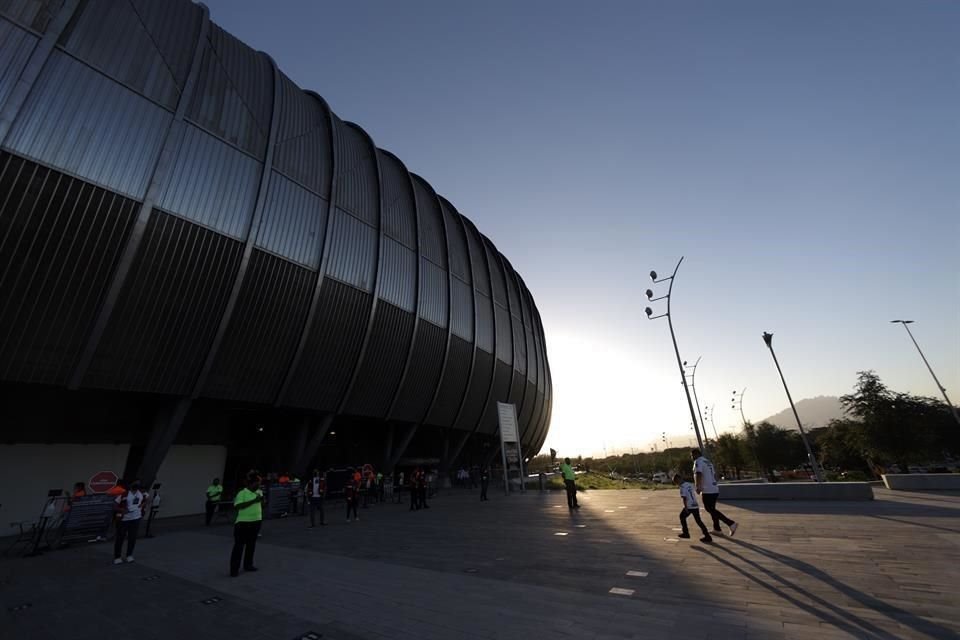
x=203, y=269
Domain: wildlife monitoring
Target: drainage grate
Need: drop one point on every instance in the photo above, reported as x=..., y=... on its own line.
x=20, y=607
x=213, y=600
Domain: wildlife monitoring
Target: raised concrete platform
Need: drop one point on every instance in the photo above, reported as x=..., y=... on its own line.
x=797, y=491
x=922, y=481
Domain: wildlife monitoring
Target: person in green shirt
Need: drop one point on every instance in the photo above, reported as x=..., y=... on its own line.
x=249, y=506
x=569, y=481
x=214, y=493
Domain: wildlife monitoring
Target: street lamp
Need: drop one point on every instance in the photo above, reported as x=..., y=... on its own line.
x=693, y=386
x=737, y=400
x=768, y=339
x=676, y=350
x=943, y=390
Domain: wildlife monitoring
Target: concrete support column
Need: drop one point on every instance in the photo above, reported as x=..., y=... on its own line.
x=397, y=452
x=166, y=425
x=312, y=439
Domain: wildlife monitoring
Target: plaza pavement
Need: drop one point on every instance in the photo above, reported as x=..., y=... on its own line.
x=502, y=569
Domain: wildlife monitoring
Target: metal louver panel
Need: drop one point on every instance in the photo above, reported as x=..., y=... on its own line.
x=461, y=302
x=60, y=239
x=167, y=314
x=332, y=348
x=16, y=45
x=380, y=372
x=234, y=93
x=454, y=383
x=434, y=293
x=473, y=405
x=111, y=37
x=459, y=258
x=399, y=282
x=294, y=222
x=303, y=151
x=35, y=14
x=173, y=27
x=212, y=184
x=481, y=279
x=77, y=120
x=353, y=251
x=423, y=375
x=433, y=245
x=264, y=331
x=356, y=190
x=485, y=328
x=399, y=216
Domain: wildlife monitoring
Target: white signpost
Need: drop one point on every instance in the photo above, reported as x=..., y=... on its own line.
x=510, y=445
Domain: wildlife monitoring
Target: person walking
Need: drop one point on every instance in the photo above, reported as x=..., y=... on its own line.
x=214, y=493
x=248, y=504
x=690, y=508
x=351, y=493
x=316, y=492
x=484, y=483
x=422, y=489
x=570, y=482
x=414, y=494
x=706, y=481
x=129, y=510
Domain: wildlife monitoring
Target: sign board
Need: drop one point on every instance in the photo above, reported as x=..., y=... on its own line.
x=508, y=422
x=510, y=446
x=102, y=481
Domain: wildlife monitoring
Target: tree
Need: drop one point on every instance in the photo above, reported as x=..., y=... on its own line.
x=729, y=453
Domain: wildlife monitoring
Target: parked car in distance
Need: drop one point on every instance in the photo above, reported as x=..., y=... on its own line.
x=660, y=477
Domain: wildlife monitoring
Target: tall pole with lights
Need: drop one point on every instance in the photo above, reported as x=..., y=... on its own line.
x=768, y=339
x=737, y=400
x=676, y=350
x=943, y=389
x=693, y=387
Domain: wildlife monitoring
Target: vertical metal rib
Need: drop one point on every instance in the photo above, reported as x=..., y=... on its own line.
x=493, y=303
x=252, y=229
x=28, y=78
x=419, y=301
x=378, y=278
x=161, y=171
x=526, y=349
x=507, y=270
x=476, y=319
x=446, y=349
x=322, y=260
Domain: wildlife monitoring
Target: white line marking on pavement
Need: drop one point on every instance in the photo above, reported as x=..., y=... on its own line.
x=617, y=591
x=560, y=533
x=638, y=574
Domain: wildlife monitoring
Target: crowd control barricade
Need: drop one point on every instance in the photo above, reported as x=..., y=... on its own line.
x=88, y=518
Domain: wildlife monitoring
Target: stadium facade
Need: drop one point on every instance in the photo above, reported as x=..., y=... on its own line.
x=201, y=261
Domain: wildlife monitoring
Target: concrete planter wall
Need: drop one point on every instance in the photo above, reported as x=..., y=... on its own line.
x=922, y=481
x=797, y=491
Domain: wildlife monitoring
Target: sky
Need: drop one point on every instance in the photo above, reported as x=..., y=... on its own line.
x=803, y=158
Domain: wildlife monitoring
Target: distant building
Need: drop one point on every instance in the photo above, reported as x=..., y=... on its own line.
x=203, y=269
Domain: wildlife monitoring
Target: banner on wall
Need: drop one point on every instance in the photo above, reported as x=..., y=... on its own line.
x=510, y=446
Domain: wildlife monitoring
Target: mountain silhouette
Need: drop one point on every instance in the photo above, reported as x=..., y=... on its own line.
x=814, y=412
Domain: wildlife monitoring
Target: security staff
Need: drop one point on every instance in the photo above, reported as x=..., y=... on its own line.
x=214, y=493
x=249, y=506
x=484, y=483
x=569, y=480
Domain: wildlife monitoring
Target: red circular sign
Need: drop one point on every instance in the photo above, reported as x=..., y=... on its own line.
x=102, y=481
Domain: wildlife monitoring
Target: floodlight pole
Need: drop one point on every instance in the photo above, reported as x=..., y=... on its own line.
x=943, y=390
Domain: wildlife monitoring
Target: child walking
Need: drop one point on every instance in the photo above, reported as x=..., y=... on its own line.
x=690, y=508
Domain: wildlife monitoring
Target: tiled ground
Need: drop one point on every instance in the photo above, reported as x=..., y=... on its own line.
x=885, y=569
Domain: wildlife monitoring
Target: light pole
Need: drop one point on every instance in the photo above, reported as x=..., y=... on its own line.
x=676, y=350
x=768, y=339
x=737, y=400
x=943, y=389
x=693, y=387
x=709, y=410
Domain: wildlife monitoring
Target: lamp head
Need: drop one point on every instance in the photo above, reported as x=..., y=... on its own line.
x=648, y=311
x=649, y=294
x=653, y=276
x=768, y=339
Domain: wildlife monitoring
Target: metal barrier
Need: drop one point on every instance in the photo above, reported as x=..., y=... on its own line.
x=88, y=518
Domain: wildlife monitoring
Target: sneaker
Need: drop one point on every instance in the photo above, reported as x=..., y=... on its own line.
x=683, y=535
x=129, y=558
x=733, y=528
x=706, y=539
x=357, y=518
x=718, y=530
x=118, y=561
x=348, y=519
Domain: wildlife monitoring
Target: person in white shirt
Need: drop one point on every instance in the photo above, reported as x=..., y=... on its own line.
x=129, y=510
x=706, y=480
x=690, y=508
x=316, y=492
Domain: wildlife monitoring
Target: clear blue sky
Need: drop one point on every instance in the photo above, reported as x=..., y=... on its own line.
x=804, y=156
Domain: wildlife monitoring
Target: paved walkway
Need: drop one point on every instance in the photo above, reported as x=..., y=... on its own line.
x=519, y=567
